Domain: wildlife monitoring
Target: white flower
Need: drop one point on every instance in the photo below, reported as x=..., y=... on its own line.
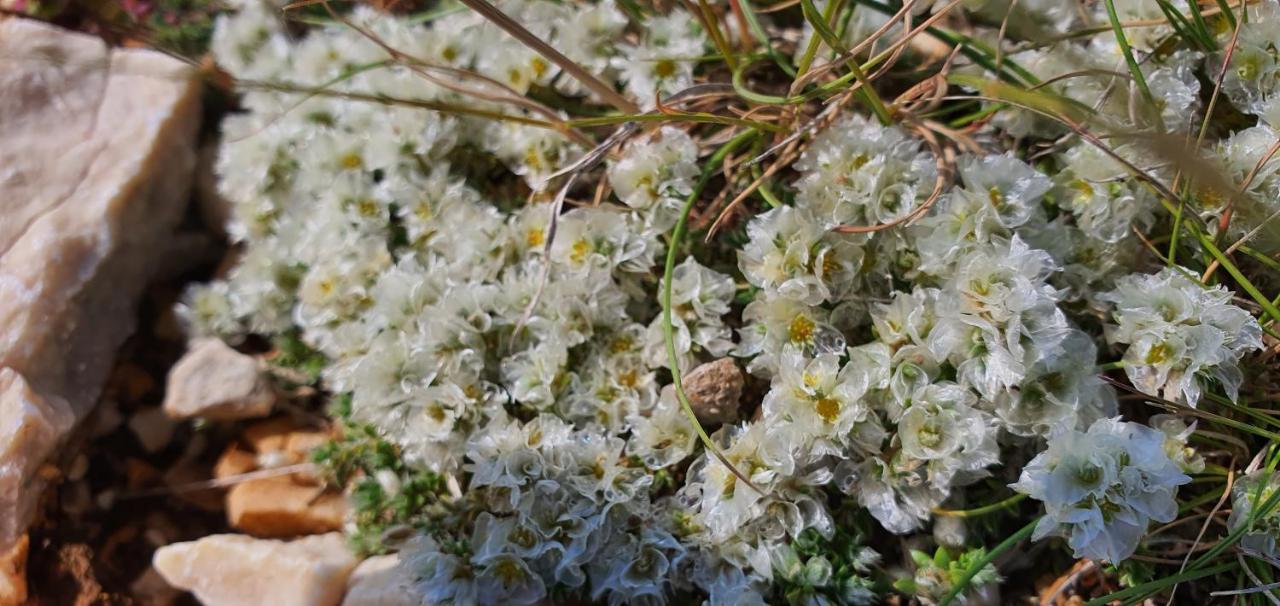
x=817, y=395
x=1095, y=187
x=857, y=172
x=791, y=255
x=1181, y=335
x=662, y=64
x=654, y=175
x=1101, y=488
x=700, y=297
x=774, y=323
x=665, y=437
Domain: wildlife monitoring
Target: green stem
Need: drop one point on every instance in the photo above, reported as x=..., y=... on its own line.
x=1134, y=68
x=753, y=22
x=1244, y=282
x=668, y=328
x=811, y=49
x=980, y=511
x=1146, y=589
x=865, y=91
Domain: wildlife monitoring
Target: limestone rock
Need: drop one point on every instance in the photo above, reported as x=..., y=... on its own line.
x=714, y=389
x=30, y=427
x=214, y=381
x=379, y=581
x=96, y=154
x=283, y=507
x=236, y=570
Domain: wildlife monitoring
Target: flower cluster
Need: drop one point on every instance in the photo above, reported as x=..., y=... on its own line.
x=915, y=316
x=1102, y=487
x=1180, y=335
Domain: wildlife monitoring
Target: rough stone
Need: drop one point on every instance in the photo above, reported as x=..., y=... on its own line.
x=379, y=581
x=280, y=506
x=214, y=381
x=714, y=389
x=283, y=507
x=150, y=589
x=236, y=570
x=30, y=427
x=153, y=428
x=13, y=573
x=234, y=462
x=96, y=155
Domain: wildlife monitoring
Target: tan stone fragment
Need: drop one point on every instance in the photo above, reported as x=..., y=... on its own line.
x=236, y=570
x=281, y=507
x=714, y=389
x=234, y=462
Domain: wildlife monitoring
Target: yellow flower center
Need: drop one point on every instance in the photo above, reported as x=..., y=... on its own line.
x=535, y=237
x=801, y=330
x=828, y=408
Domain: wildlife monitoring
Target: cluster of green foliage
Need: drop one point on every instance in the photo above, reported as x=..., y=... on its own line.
x=817, y=570
x=388, y=496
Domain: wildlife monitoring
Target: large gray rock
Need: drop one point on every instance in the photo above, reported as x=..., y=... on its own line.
x=236, y=570
x=96, y=154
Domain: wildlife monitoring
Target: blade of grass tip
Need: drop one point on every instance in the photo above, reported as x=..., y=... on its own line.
x=866, y=92
x=423, y=69
x=1178, y=21
x=973, y=570
x=347, y=74
x=1226, y=494
x=1258, y=256
x=811, y=48
x=586, y=78
x=1134, y=68
x=427, y=16
x=967, y=47
x=668, y=328
x=1204, y=124
x=1195, y=412
x=444, y=108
